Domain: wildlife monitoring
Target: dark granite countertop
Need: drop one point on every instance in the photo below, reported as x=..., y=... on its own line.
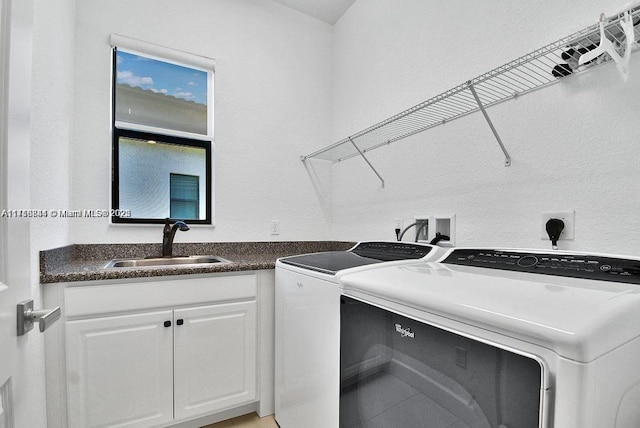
x=85, y=262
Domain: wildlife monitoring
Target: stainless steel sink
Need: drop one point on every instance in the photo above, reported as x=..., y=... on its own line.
x=165, y=261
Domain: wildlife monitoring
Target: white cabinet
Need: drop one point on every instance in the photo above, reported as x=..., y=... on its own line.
x=155, y=353
x=120, y=371
x=215, y=357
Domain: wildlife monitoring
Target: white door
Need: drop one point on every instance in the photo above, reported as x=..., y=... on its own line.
x=215, y=357
x=16, y=17
x=120, y=370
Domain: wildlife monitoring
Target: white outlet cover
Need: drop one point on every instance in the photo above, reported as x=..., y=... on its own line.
x=275, y=227
x=569, y=219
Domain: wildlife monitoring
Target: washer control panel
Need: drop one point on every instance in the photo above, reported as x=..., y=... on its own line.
x=388, y=251
x=558, y=264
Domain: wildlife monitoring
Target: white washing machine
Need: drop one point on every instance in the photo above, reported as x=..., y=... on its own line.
x=493, y=338
x=307, y=323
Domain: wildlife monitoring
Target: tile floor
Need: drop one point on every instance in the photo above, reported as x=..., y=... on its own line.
x=247, y=421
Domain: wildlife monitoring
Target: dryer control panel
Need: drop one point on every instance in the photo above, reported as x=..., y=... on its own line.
x=558, y=264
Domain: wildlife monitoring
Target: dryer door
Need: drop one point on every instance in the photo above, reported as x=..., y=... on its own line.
x=397, y=372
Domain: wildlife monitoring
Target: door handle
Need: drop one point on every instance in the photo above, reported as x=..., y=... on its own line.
x=27, y=316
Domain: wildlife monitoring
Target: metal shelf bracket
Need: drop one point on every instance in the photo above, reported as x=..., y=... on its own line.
x=367, y=161
x=507, y=158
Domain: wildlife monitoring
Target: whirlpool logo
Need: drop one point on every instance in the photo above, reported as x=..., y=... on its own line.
x=405, y=332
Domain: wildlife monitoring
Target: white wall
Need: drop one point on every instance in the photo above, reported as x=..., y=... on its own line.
x=273, y=103
x=287, y=84
x=574, y=144
x=51, y=120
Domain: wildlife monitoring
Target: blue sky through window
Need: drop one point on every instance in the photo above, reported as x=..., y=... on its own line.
x=162, y=77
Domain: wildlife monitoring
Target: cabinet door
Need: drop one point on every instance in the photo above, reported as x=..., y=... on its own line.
x=119, y=370
x=215, y=357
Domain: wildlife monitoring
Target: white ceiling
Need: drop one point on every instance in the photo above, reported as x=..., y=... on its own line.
x=326, y=10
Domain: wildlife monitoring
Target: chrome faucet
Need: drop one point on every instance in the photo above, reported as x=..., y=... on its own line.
x=168, y=233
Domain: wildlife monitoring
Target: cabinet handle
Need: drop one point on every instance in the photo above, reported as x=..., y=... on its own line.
x=180, y=321
x=167, y=323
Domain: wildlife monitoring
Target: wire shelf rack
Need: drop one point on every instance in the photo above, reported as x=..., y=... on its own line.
x=535, y=70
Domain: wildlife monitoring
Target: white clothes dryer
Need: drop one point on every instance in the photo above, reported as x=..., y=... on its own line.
x=493, y=338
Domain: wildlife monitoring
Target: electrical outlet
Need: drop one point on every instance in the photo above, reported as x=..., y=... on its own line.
x=275, y=227
x=398, y=227
x=569, y=219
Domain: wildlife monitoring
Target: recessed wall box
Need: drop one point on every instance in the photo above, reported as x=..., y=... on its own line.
x=443, y=224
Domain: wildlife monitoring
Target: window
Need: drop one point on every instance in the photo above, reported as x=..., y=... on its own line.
x=162, y=134
x=185, y=196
